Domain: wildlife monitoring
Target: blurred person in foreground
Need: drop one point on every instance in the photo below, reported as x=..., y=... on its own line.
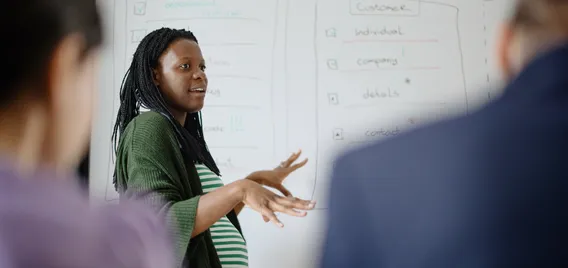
x=50, y=52
x=484, y=190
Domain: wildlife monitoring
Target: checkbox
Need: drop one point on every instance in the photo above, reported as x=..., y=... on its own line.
x=140, y=8
x=333, y=98
x=338, y=134
x=332, y=64
x=138, y=35
x=332, y=32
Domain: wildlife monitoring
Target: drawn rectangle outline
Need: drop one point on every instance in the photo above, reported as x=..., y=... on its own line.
x=356, y=13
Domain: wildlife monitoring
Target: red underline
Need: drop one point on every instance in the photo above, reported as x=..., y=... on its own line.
x=391, y=41
x=394, y=69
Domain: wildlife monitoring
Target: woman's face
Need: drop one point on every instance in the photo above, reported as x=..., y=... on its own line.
x=72, y=88
x=181, y=78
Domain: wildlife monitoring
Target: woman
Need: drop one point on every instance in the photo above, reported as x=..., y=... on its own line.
x=164, y=152
x=46, y=102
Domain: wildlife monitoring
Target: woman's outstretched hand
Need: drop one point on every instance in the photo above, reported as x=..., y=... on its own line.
x=274, y=178
x=267, y=203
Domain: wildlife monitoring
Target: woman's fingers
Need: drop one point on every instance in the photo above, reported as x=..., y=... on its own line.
x=269, y=214
x=287, y=205
x=299, y=165
x=286, y=163
x=278, y=187
x=291, y=205
x=282, y=189
x=294, y=157
x=277, y=205
x=296, y=203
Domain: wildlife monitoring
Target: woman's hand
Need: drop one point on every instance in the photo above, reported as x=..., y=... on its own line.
x=274, y=178
x=268, y=203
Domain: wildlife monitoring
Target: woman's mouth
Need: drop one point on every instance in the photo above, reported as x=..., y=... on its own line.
x=197, y=90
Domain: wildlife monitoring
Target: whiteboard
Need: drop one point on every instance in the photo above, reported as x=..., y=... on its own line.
x=320, y=75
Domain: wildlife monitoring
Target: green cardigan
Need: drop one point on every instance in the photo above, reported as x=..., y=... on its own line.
x=149, y=160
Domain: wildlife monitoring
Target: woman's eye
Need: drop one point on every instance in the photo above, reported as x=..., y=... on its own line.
x=184, y=66
x=202, y=67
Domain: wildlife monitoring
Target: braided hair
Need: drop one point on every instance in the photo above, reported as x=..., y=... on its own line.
x=138, y=90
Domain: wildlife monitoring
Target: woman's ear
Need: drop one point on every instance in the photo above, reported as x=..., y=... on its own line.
x=63, y=68
x=504, y=47
x=156, y=76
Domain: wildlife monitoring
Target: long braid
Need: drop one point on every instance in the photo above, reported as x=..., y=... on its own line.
x=194, y=125
x=139, y=90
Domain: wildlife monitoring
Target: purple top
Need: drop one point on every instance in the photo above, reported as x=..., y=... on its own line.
x=48, y=222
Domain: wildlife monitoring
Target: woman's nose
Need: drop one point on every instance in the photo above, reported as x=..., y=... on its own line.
x=198, y=75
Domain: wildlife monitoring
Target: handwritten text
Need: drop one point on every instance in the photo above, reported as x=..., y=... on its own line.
x=382, y=132
x=376, y=93
x=384, y=31
x=383, y=8
x=378, y=62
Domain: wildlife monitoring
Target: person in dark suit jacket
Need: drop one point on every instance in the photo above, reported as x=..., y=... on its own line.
x=488, y=189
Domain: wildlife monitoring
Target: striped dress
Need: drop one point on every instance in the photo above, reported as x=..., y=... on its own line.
x=230, y=245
